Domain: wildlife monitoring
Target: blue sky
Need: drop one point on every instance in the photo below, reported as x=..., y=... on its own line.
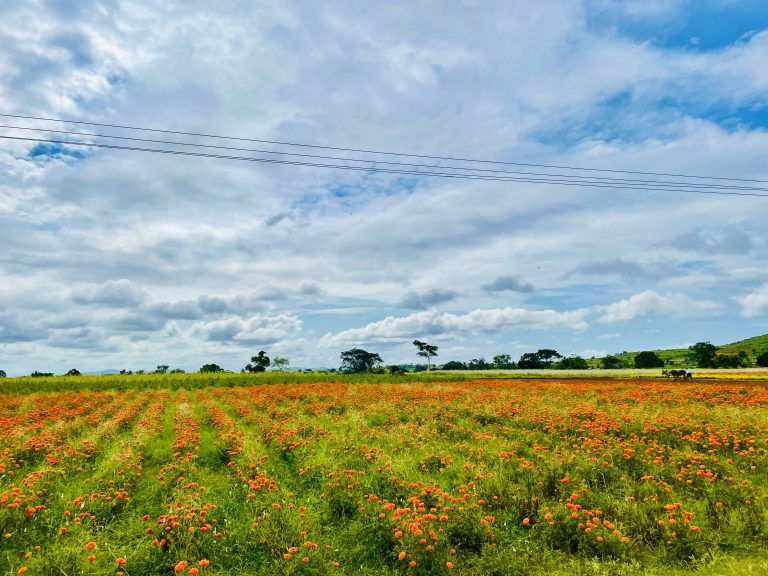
x=114, y=259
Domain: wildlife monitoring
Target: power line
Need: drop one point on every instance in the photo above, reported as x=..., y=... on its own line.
x=388, y=170
x=380, y=152
x=481, y=171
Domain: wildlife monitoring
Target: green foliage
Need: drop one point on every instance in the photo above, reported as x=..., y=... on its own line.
x=479, y=364
x=611, y=363
x=682, y=357
x=259, y=363
x=37, y=374
x=503, y=362
x=730, y=361
x=162, y=369
x=357, y=360
x=572, y=363
x=73, y=372
x=209, y=368
x=454, y=365
x=3, y=374
x=648, y=360
x=542, y=358
x=704, y=354
x=762, y=360
x=425, y=350
x=279, y=362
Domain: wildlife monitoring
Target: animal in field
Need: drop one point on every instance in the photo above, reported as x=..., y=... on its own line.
x=684, y=374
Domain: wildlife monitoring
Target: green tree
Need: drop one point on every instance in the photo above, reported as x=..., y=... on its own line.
x=178, y=371
x=572, y=363
x=3, y=374
x=37, y=374
x=479, y=364
x=542, y=358
x=529, y=361
x=280, y=362
x=73, y=372
x=425, y=350
x=211, y=368
x=762, y=360
x=611, y=362
x=454, y=365
x=259, y=363
x=648, y=360
x=162, y=369
x=730, y=361
x=503, y=362
x=704, y=354
x=358, y=360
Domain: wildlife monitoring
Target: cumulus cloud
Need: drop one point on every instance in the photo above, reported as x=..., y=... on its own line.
x=517, y=87
x=432, y=323
x=113, y=293
x=755, y=303
x=258, y=330
x=652, y=303
x=508, y=284
x=424, y=300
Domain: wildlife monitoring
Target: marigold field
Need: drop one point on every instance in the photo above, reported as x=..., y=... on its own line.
x=470, y=477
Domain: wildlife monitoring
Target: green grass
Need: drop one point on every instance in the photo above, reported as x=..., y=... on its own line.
x=278, y=466
x=679, y=357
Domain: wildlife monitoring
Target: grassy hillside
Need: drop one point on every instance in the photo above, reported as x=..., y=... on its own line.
x=679, y=356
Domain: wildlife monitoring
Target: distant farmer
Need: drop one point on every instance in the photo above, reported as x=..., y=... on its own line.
x=688, y=374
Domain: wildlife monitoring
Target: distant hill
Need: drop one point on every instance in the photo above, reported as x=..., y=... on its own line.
x=753, y=347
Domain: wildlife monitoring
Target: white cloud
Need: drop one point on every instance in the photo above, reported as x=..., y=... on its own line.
x=114, y=293
x=333, y=251
x=609, y=336
x=652, y=303
x=592, y=353
x=259, y=330
x=755, y=303
x=431, y=323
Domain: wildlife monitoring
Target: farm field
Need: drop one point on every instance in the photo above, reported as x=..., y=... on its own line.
x=536, y=476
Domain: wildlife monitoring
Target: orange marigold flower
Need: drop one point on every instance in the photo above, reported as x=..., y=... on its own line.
x=91, y=558
x=203, y=563
x=22, y=570
x=412, y=563
x=402, y=555
x=305, y=559
x=449, y=565
x=120, y=561
x=194, y=571
x=526, y=521
x=181, y=566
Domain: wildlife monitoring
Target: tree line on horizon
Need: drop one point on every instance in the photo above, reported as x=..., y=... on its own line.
x=358, y=360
